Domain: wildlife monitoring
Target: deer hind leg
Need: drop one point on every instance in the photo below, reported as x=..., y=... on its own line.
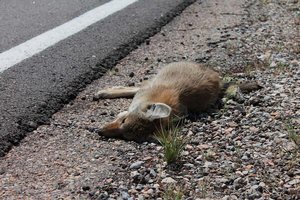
x=116, y=92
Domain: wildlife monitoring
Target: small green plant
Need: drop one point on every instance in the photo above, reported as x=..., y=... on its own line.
x=172, y=142
x=203, y=186
x=293, y=136
x=172, y=193
x=210, y=155
x=282, y=66
x=257, y=64
x=264, y=2
x=249, y=68
x=232, y=91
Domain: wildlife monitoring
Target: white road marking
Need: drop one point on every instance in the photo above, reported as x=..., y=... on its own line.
x=39, y=43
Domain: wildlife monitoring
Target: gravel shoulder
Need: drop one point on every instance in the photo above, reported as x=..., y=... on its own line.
x=244, y=150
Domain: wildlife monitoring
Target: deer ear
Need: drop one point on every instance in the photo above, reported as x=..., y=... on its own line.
x=158, y=111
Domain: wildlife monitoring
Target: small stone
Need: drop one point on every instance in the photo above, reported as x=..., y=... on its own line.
x=254, y=195
x=134, y=174
x=150, y=191
x=124, y=195
x=103, y=195
x=254, y=129
x=208, y=164
x=273, y=64
x=294, y=182
x=152, y=173
x=239, y=183
x=185, y=153
x=222, y=180
x=136, y=165
x=2, y=171
x=147, y=158
x=110, y=180
x=139, y=187
x=262, y=184
x=103, y=113
x=131, y=74
x=232, y=124
x=96, y=156
x=131, y=84
x=168, y=180
x=86, y=187
x=245, y=157
x=189, y=147
x=32, y=124
x=189, y=165
x=199, y=157
x=203, y=146
x=245, y=172
x=228, y=130
x=276, y=115
x=76, y=173
x=263, y=18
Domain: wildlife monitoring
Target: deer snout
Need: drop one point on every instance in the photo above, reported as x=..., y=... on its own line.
x=110, y=131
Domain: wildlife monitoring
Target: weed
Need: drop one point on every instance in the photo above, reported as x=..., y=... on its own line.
x=209, y=155
x=173, y=143
x=293, y=136
x=264, y=2
x=258, y=64
x=203, y=186
x=282, y=66
x=172, y=193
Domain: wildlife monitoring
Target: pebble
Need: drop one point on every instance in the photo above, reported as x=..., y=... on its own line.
x=86, y=187
x=125, y=195
x=136, y=165
x=294, y=181
x=168, y=180
x=208, y=164
x=131, y=74
x=152, y=173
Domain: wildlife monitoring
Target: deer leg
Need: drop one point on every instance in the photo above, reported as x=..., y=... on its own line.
x=116, y=92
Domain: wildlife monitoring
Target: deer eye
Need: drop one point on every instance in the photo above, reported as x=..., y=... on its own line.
x=123, y=121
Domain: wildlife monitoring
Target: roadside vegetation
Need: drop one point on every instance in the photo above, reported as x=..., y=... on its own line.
x=173, y=193
x=172, y=141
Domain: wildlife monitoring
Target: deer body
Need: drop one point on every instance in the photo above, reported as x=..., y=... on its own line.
x=175, y=90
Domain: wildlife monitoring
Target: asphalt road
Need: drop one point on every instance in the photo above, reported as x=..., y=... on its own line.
x=22, y=20
x=31, y=91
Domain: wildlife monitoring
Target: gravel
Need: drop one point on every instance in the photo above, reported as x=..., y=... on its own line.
x=245, y=149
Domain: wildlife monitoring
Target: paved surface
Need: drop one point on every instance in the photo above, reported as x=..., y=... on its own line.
x=23, y=20
x=34, y=89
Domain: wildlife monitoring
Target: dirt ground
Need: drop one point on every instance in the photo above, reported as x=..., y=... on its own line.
x=242, y=151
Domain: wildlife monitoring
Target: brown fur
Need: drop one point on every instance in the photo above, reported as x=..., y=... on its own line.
x=183, y=86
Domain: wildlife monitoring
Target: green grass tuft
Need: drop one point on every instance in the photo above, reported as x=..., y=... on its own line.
x=172, y=142
x=293, y=136
x=172, y=193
